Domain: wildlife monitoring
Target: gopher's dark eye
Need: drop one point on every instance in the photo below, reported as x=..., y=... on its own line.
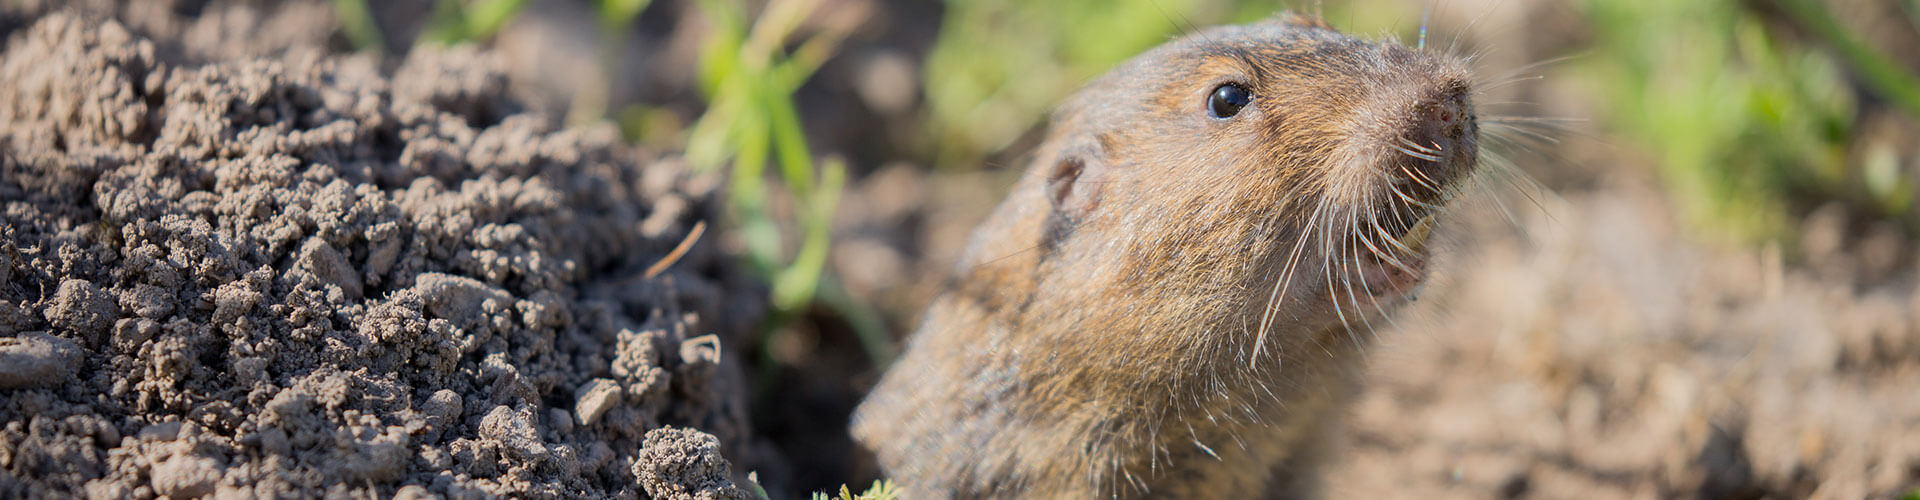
x=1227, y=100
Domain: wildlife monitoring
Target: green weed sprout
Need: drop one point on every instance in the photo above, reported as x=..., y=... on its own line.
x=751, y=119
x=1876, y=69
x=1743, y=124
x=881, y=490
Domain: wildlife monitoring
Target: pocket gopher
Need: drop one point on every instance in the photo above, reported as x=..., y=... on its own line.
x=1173, y=300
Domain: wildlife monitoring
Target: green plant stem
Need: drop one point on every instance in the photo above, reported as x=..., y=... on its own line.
x=789, y=137
x=795, y=286
x=1886, y=77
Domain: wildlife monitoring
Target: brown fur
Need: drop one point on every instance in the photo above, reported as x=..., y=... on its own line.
x=1171, y=305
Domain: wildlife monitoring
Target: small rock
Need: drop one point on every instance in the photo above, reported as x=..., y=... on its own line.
x=444, y=407
x=414, y=492
x=129, y=333
x=160, y=431
x=82, y=307
x=598, y=396
x=514, y=432
x=35, y=359
x=186, y=476
x=320, y=263
x=460, y=297
x=148, y=301
x=383, y=458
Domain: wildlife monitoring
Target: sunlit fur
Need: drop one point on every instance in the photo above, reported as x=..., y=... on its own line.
x=1190, y=331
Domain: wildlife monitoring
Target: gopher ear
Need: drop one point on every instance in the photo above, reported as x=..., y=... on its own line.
x=1076, y=180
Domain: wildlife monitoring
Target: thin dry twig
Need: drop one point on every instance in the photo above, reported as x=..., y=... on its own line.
x=699, y=228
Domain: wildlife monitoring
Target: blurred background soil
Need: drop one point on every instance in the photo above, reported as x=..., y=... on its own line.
x=1693, y=274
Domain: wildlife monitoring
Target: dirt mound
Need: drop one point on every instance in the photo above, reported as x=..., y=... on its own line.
x=294, y=277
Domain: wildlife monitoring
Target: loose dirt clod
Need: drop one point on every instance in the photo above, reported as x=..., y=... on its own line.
x=682, y=464
x=36, y=359
x=294, y=277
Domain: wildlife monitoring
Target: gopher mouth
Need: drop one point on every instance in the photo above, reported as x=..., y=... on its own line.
x=1392, y=273
x=1420, y=164
x=1394, y=251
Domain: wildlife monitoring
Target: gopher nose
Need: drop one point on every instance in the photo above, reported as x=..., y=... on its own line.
x=1443, y=120
x=1442, y=125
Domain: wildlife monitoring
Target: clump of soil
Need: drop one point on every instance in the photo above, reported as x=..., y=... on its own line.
x=296, y=277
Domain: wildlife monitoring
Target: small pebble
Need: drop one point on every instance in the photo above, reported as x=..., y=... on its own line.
x=35, y=359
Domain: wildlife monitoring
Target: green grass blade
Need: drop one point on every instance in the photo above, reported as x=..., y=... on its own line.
x=795, y=286
x=1879, y=72
x=789, y=138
